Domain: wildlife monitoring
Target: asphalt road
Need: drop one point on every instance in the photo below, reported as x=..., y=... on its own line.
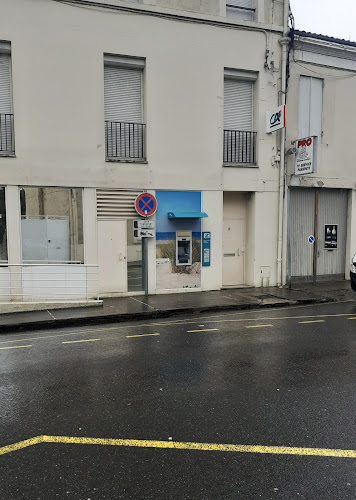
x=157, y=399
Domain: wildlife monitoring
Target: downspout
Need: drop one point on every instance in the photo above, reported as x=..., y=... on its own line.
x=284, y=42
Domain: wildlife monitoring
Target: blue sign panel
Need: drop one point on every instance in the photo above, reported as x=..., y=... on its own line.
x=206, y=249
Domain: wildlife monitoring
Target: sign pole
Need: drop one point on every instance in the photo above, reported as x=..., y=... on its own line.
x=145, y=265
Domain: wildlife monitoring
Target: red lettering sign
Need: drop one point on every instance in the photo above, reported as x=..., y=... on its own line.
x=304, y=142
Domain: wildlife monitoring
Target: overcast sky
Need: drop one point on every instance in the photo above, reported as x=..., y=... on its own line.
x=326, y=17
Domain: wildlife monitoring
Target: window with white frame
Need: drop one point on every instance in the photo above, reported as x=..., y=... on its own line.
x=52, y=225
x=241, y=9
x=7, y=143
x=239, y=137
x=124, y=127
x=310, y=107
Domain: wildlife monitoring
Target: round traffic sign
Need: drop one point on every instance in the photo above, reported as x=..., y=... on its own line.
x=311, y=239
x=145, y=204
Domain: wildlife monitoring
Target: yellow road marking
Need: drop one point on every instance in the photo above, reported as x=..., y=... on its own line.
x=179, y=322
x=142, y=335
x=77, y=341
x=315, y=321
x=257, y=326
x=206, y=330
x=16, y=347
x=21, y=444
x=176, y=445
x=352, y=318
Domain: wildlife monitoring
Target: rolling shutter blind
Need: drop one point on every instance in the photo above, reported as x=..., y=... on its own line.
x=122, y=87
x=115, y=204
x=310, y=107
x=237, y=105
x=233, y=10
x=5, y=96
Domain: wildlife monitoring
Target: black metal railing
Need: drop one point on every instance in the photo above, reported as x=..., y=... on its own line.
x=125, y=140
x=7, y=140
x=239, y=146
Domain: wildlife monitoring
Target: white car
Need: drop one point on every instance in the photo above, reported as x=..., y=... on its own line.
x=353, y=273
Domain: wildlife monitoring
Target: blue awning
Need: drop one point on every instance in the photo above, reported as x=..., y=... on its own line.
x=187, y=215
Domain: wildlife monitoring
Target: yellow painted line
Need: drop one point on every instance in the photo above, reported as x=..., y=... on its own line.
x=77, y=341
x=206, y=330
x=181, y=322
x=352, y=318
x=22, y=444
x=176, y=445
x=142, y=335
x=16, y=347
x=315, y=321
x=257, y=326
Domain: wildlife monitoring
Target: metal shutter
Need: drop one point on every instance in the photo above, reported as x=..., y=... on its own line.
x=310, y=106
x=122, y=86
x=232, y=9
x=237, y=105
x=115, y=204
x=5, y=96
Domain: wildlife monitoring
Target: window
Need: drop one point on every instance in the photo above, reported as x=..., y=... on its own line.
x=241, y=9
x=7, y=144
x=310, y=107
x=124, y=127
x=3, y=235
x=239, y=138
x=52, y=224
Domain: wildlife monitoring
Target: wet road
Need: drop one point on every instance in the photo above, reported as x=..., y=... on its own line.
x=272, y=378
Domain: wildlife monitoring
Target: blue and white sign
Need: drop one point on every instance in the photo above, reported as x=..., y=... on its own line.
x=275, y=119
x=206, y=248
x=311, y=239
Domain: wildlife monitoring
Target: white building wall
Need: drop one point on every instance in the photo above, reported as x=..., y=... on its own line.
x=58, y=100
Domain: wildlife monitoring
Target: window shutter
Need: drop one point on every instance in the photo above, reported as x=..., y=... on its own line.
x=233, y=10
x=5, y=96
x=237, y=105
x=310, y=106
x=122, y=86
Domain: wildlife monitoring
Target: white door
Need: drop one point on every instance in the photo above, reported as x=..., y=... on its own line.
x=112, y=248
x=233, y=252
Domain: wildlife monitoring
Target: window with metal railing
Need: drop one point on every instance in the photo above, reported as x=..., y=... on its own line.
x=7, y=142
x=239, y=141
x=124, y=127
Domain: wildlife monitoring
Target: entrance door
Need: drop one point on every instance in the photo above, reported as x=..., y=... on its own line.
x=112, y=241
x=311, y=212
x=233, y=252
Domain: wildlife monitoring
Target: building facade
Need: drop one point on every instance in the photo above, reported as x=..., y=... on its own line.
x=321, y=205
x=102, y=101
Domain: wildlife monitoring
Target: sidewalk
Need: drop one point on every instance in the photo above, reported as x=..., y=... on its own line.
x=140, y=307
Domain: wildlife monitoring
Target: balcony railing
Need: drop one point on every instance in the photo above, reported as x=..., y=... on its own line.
x=125, y=140
x=7, y=141
x=239, y=146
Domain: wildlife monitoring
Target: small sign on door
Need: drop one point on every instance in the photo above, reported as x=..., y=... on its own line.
x=330, y=239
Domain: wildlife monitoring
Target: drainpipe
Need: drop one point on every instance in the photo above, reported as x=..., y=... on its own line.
x=284, y=42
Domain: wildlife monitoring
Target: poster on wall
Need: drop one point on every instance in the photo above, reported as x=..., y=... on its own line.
x=305, y=156
x=178, y=241
x=330, y=238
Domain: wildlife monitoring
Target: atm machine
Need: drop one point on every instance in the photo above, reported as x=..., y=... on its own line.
x=183, y=248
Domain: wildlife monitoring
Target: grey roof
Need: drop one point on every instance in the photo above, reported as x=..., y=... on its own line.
x=307, y=34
